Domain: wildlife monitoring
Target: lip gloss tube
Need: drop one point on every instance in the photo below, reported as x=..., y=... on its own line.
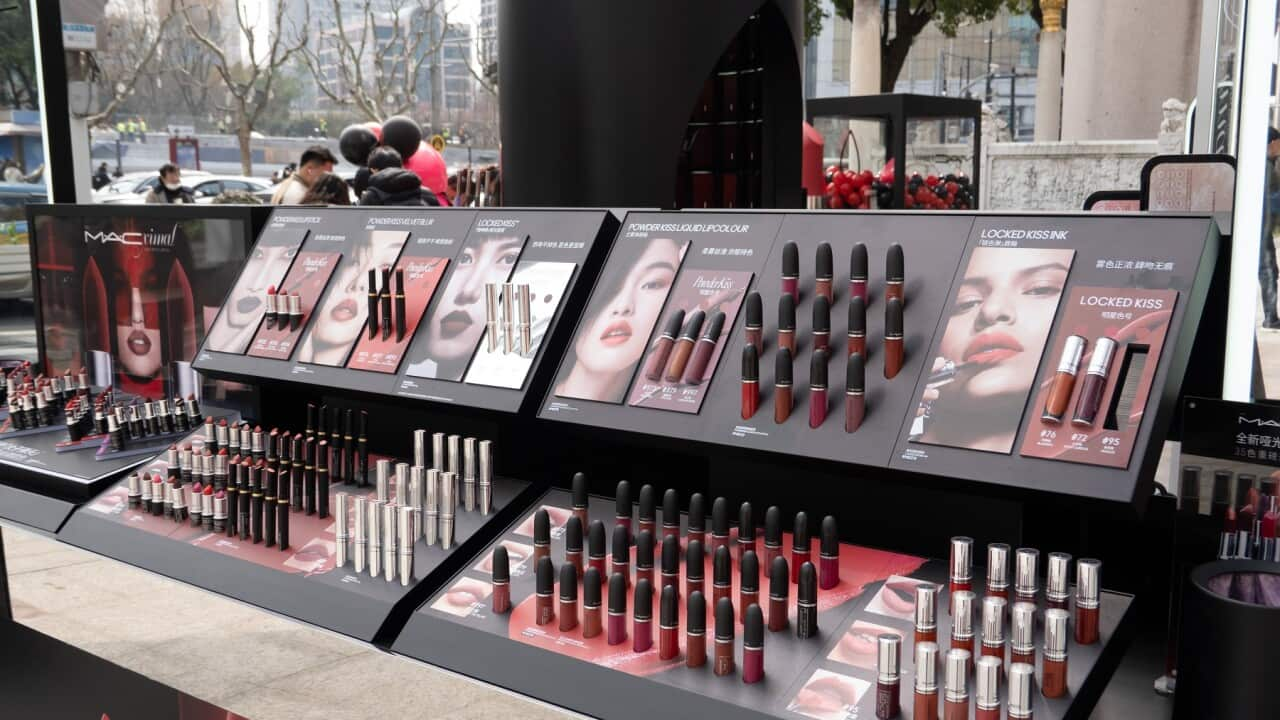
x=648, y=509
x=772, y=536
x=721, y=575
x=1021, y=679
x=573, y=543
x=1057, y=581
x=746, y=530
x=961, y=566
x=580, y=499
x=622, y=505
x=858, y=272
x=670, y=514
x=817, y=389
x=1088, y=591
x=986, y=696
x=800, y=545
x=893, y=338
x=671, y=563
x=644, y=556
x=821, y=325
x=888, y=675
x=701, y=356
x=668, y=624
x=956, y=686
x=724, y=664
x=807, y=602
x=541, y=534
x=545, y=577
x=719, y=526
x=697, y=525
x=750, y=381
x=595, y=548
x=791, y=271
x=490, y=317
x=694, y=564
x=748, y=583
x=1022, y=624
x=823, y=271
x=779, y=589
x=661, y=351
x=829, y=555
x=894, y=274
x=787, y=323
x=1095, y=382
x=642, y=618
x=753, y=645
x=753, y=325
x=621, y=564
x=926, y=615
x=962, y=622
x=998, y=570
x=617, y=609
x=591, y=582
x=568, y=598
x=857, y=342
x=1026, y=581
x=855, y=399
x=501, y=581
x=373, y=303
x=993, y=609
x=1053, y=670
x=695, y=634
x=783, y=400
x=683, y=349
x=1064, y=380
x=925, y=700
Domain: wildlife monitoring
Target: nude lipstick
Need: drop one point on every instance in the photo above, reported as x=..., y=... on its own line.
x=662, y=347
x=1053, y=671
x=855, y=396
x=750, y=381
x=753, y=326
x=697, y=527
x=373, y=304
x=670, y=563
x=617, y=609
x=800, y=545
x=668, y=623
x=670, y=514
x=622, y=505
x=1088, y=593
x=568, y=598
x=791, y=271
x=783, y=399
x=787, y=323
x=642, y=617
x=580, y=498
x=544, y=604
x=857, y=342
x=823, y=271
x=926, y=613
x=817, y=389
x=821, y=323
x=595, y=548
x=925, y=700
x=986, y=695
x=829, y=555
x=772, y=536
x=779, y=589
x=573, y=543
x=753, y=645
x=695, y=634
x=701, y=356
x=748, y=583
x=591, y=621
x=894, y=274
x=648, y=509
x=858, y=272
x=501, y=581
x=724, y=664
x=807, y=602
x=888, y=675
x=644, y=556
x=1095, y=381
x=694, y=564
x=893, y=338
x=721, y=575
x=1064, y=380
x=683, y=349
x=719, y=526
x=956, y=685
x=621, y=564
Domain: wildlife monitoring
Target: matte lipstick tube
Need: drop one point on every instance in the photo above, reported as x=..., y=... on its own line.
x=1053, y=670
x=648, y=502
x=694, y=568
x=753, y=325
x=373, y=307
x=857, y=333
x=1022, y=626
x=748, y=583
x=309, y=477
x=501, y=581
x=296, y=473
x=1057, y=585
x=829, y=555
x=400, y=308
x=322, y=483
x=385, y=297
x=670, y=514
x=746, y=529
x=956, y=685
x=753, y=645
x=817, y=389
x=888, y=675
x=697, y=526
x=244, y=506
x=621, y=559
x=821, y=323
x=695, y=635
x=701, y=357
x=807, y=602
x=670, y=563
x=855, y=396
x=893, y=338
x=986, y=695
x=783, y=399
x=1064, y=380
x=269, y=505
x=787, y=323
x=622, y=505
x=617, y=609
x=642, y=618
x=719, y=526
x=541, y=534
x=800, y=545
x=669, y=623
x=348, y=455
x=925, y=698
x=596, y=548
x=961, y=565
x=823, y=271
x=721, y=575
x=791, y=271
x=1095, y=382
x=644, y=556
x=926, y=613
x=568, y=598
x=662, y=347
x=272, y=308
x=962, y=621
x=1088, y=590
x=779, y=589
x=993, y=609
x=772, y=536
x=998, y=570
x=858, y=272
x=545, y=579
x=895, y=274
x=683, y=349
x=580, y=499
x=573, y=543
x=750, y=381
x=1021, y=679
x=591, y=620
x=723, y=658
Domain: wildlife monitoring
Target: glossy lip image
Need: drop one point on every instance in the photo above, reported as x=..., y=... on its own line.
x=344, y=310
x=617, y=333
x=139, y=343
x=991, y=347
x=517, y=556
x=828, y=695
x=857, y=646
x=896, y=598
x=558, y=517
x=463, y=597
x=314, y=557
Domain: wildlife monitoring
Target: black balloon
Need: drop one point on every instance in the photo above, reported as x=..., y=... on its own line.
x=403, y=134
x=356, y=142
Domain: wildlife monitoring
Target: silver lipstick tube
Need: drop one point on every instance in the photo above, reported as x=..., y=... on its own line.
x=448, y=501
x=404, y=544
x=431, y=508
x=383, y=484
x=469, y=474
x=437, y=451
x=526, y=321
x=389, y=541
x=416, y=479
x=360, y=546
x=455, y=455
x=419, y=448
x=375, y=538
x=508, y=318
x=402, y=484
x=342, y=533
x=486, y=476
x=491, y=316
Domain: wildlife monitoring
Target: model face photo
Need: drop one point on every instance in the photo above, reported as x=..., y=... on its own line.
x=137, y=310
x=342, y=314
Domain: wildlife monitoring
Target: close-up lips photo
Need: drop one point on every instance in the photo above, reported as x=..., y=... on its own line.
x=248, y=304
x=991, y=347
x=139, y=343
x=826, y=696
x=454, y=324
x=345, y=310
x=460, y=598
x=900, y=597
x=617, y=333
x=857, y=646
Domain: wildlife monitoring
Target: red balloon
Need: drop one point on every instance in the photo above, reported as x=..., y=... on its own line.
x=836, y=203
x=428, y=164
x=376, y=127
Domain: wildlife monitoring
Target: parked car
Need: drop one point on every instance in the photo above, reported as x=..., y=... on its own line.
x=15, y=255
x=206, y=189
x=132, y=188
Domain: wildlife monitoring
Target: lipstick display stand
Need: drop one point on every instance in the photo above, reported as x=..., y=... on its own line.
x=829, y=675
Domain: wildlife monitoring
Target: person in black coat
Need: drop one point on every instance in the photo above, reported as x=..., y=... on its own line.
x=391, y=184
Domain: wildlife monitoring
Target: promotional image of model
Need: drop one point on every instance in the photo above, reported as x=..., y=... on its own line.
x=301, y=289
x=544, y=284
x=995, y=333
x=245, y=306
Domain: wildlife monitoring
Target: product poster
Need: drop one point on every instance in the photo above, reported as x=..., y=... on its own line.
x=995, y=333
x=307, y=278
x=245, y=305
x=623, y=310
x=1103, y=405
x=1191, y=187
x=829, y=696
x=681, y=383
x=454, y=326
x=343, y=313
x=382, y=352
x=493, y=364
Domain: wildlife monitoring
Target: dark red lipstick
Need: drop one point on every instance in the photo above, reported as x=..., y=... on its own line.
x=750, y=381
x=545, y=579
x=753, y=325
x=573, y=543
x=648, y=508
x=617, y=609
x=670, y=563
x=791, y=271
x=591, y=620
x=772, y=535
x=644, y=556
x=621, y=563
x=817, y=389
x=779, y=589
x=724, y=664
x=748, y=583
x=642, y=623
x=821, y=323
x=787, y=323
x=753, y=645
x=668, y=623
x=829, y=555
x=596, y=548
x=695, y=638
x=701, y=356
x=721, y=575
x=800, y=545
x=746, y=529
x=857, y=342
x=893, y=338
x=855, y=397
x=694, y=568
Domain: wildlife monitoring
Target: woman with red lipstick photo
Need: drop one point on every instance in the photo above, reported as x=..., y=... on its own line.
x=136, y=282
x=342, y=314
x=266, y=267
x=612, y=339
x=996, y=332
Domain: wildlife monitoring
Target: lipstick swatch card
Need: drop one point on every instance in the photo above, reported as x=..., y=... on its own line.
x=1113, y=392
x=308, y=277
x=383, y=352
x=246, y=304
x=680, y=382
x=501, y=361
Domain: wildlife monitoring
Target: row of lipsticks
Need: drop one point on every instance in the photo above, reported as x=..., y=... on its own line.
x=1248, y=509
x=125, y=424
x=424, y=506
x=35, y=401
x=283, y=310
x=381, y=317
x=512, y=302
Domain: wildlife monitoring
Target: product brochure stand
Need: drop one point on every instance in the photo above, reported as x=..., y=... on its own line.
x=830, y=675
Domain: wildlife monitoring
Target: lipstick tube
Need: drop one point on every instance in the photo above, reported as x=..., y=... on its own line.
x=373, y=305
x=857, y=333
x=322, y=482
x=296, y=473
x=508, y=311
x=341, y=532
x=491, y=317
x=683, y=349
x=245, y=501
x=385, y=297
x=580, y=498
x=469, y=446
x=438, y=452
x=986, y=696
x=523, y=295
x=448, y=505
x=955, y=685
x=855, y=400
x=723, y=659
x=661, y=350
x=642, y=620
x=670, y=573
x=926, y=613
x=807, y=602
x=748, y=583
x=746, y=530
x=829, y=555
x=962, y=621
x=817, y=389
x=750, y=381
x=858, y=272
x=1053, y=670
x=960, y=566
x=269, y=313
x=621, y=559
x=791, y=271
x=591, y=621
x=220, y=512
x=694, y=568
x=993, y=609
x=888, y=675
x=721, y=575
x=1064, y=380
x=753, y=645
x=360, y=539
x=136, y=491
x=596, y=548
x=648, y=509
x=644, y=556
x=670, y=514
x=486, y=477
x=925, y=700
x=180, y=514
x=568, y=598
x=544, y=603
x=753, y=324
x=823, y=271
x=269, y=505
x=695, y=636
x=1022, y=626
x=501, y=575
x=821, y=326
x=1026, y=580
x=894, y=274
x=1095, y=382
x=386, y=549
x=622, y=505
x=783, y=400
x=404, y=544
x=345, y=469
x=779, y=589
x=573, y=543
x=787, y=323
x=400, y=308
x=454, y=452
x=998, y=570
x=1022, y=678
x=668, y=623
x=309, y=477
x=617, y=609
x=893, y=338
x=800, y=545
x=431, y=508
x=382, y=482
x=1088, y=595
x=233, y=496
x=697, y=525
x=197, y=499
x=255, y=503
x=1057, y=581
x=295, y=312
x=772, y=536
x=417, y=478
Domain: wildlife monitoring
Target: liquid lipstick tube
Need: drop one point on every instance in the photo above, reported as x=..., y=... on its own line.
x=670, y=514
x=750, y=381
x=823, y=271
x=661, y=351
x=783, y=400
x=244, y=503
x=791, y=271
x=573, y=543
x=829, y=555
x=642, y=620
x=817, y=389
x=1053, y=670
x=961, y=565
x=858, y=272
x=893, y=338
x=620, y=564
x=491, y=317
x=807, y=602
x=925, y=698
x=400, y=308
x=385, y=297
x=986, y=695
x=926, y=613
x=668, y=623
x=455, y=455
x=993, y=609
x=1088, y=592
x=821, y=323
x=617, y=609
x=1057, y=589
x=373, y=305
x=1064, y=380
x=670, y=563
x=772, y=536
x=1095, y=382
x=1022, y=627
x=448, y=506
x=721, y=575
x=753, y=645
x=309, y=477
x=855, y=399
x=998, y=570
x=1026, y=580
x=695, y=635
x=719, y=526
x=955, y=685
x=723, y=658
x=580, y=498
x=541, y=534
x=701, y=356
x=596, y=548
x=753, y=325
x=1022, y=678
x=270, y=487
x=683, y=349
x=360, y=539
x=694, y=568
x=962, y=621
x=545, y=580
x=591, y=620
x=469, y=448
x=779, y=588
x=888, y=675
x=622, y=505
x=501, y=580
x=697, y=526
x=746, y=530
x=508, y=309
x=346, y=465
x=800, y=545
x=648, y=509
x=857, y=334
x=644, y=556
x=296, y=473
x=568, y=598
x=787, y=323
x=895, y=274
x=748, y=583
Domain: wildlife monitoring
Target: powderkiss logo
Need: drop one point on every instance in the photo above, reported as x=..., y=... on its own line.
x=150, y=238
x=715, y=283
x=1242, y=420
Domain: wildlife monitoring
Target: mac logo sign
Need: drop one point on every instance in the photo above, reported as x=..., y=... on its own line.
x=1257, y=421
x=150, y=238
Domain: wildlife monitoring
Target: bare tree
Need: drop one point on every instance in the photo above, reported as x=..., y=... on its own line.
x=135, y=39
x=247, y=80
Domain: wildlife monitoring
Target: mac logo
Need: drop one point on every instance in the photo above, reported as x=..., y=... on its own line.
x=150, y=238
x=1258, y=421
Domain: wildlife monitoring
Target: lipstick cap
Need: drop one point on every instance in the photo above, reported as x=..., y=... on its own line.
x=360, y=506
x=926, y=666
x=541, y=527
x=697, y=513
x=779, y=578
x=671, y=508
x=644, y=549
x=568, y=583
x=617, y=591
x=389, y=536
x=750, y=363
x=420, y=448
x=858, y=262
x=648, y=502
x=501, y=564
x=786, y=312
x=818, y=370
x=340, y=505
x=448, y=493
x=790, y=260
x=714, y=328
x=621, y=544
x=1104, y=349
x=722, y=566
x=382, y=473
x=895, y=264
x=926, y=606
x=469, y=451
x=573, y=534
x=823, y=266
x=782, y=373
x=1058, y=581
x=579, y=490
x=956, y=675
x=962, y=614
x=807, y=590
x=800, y=530
x=754, y=310
x=404, y=529
x=591, y=583
x=830, y=537
x=545, y=574
x=486, y=461
x=693, y=325
x=453, y=444
x=724, y=619
x=402, y=483
x=987, y=682
x=1025, y=573
x=694, y=560
x=1088, y=579
x=888, y=657
x=669, y=607
x=622, y=503
x=961, y=558
x=746, y=524
x=1072, y=351
x=753, y=627
x=1055, y=633
x=696, y=612
x=998, y=566
x=595, y=539
x=672, y=327
x=671, y=555
x=491, y=302
x=431, y=490
x=720, y=516
x=893, y=318
x=1022, y=623
x=1022, y=677
x=644, y=600
x=773, y=526
x=993, y=619
x=821, y=314
x=749, y=567
x=855, y=380
x=1189, y=489
x=437, y=451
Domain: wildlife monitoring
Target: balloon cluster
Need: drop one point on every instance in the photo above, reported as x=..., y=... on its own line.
x=865, y=190
x=404, y=135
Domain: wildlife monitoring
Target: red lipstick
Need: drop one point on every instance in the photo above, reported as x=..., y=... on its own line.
x=719, y=525
x=621, y=564
x=779, y=588
x=501, y=581
x=580, y=498
x=829, y=555
x=800, y=545
x=541, y=535
x=748, y=583
x=591, y=621
x=617, y=609
x=1053, y=670
x=750, y=381
x=668, y=623
x=857, y=342
x=772, y=535
x=821, y=323
x=1088, y=592
x=545, y=575
x=722, y=575
x=817, y=389
x=753, y=645
x=701, y=357
x=695, y=637
x=644, y=556
x=787, y=323
x=573, y=543
x=888, y=675
x=823, y=271
x=782, y=393
x=807, y=602
x=595, y=548
x=694, y=563
x=671, y=563
x=858, y=272
x=855, y=396
x=724, y=637
x=893, y=338
x=791, y=271
x=683, y=349
x=568, y=598
x=1064, y=380
x=753, y=325
x=894, y=274
x=648, y=509
x=746, y=530
x=642, y=626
